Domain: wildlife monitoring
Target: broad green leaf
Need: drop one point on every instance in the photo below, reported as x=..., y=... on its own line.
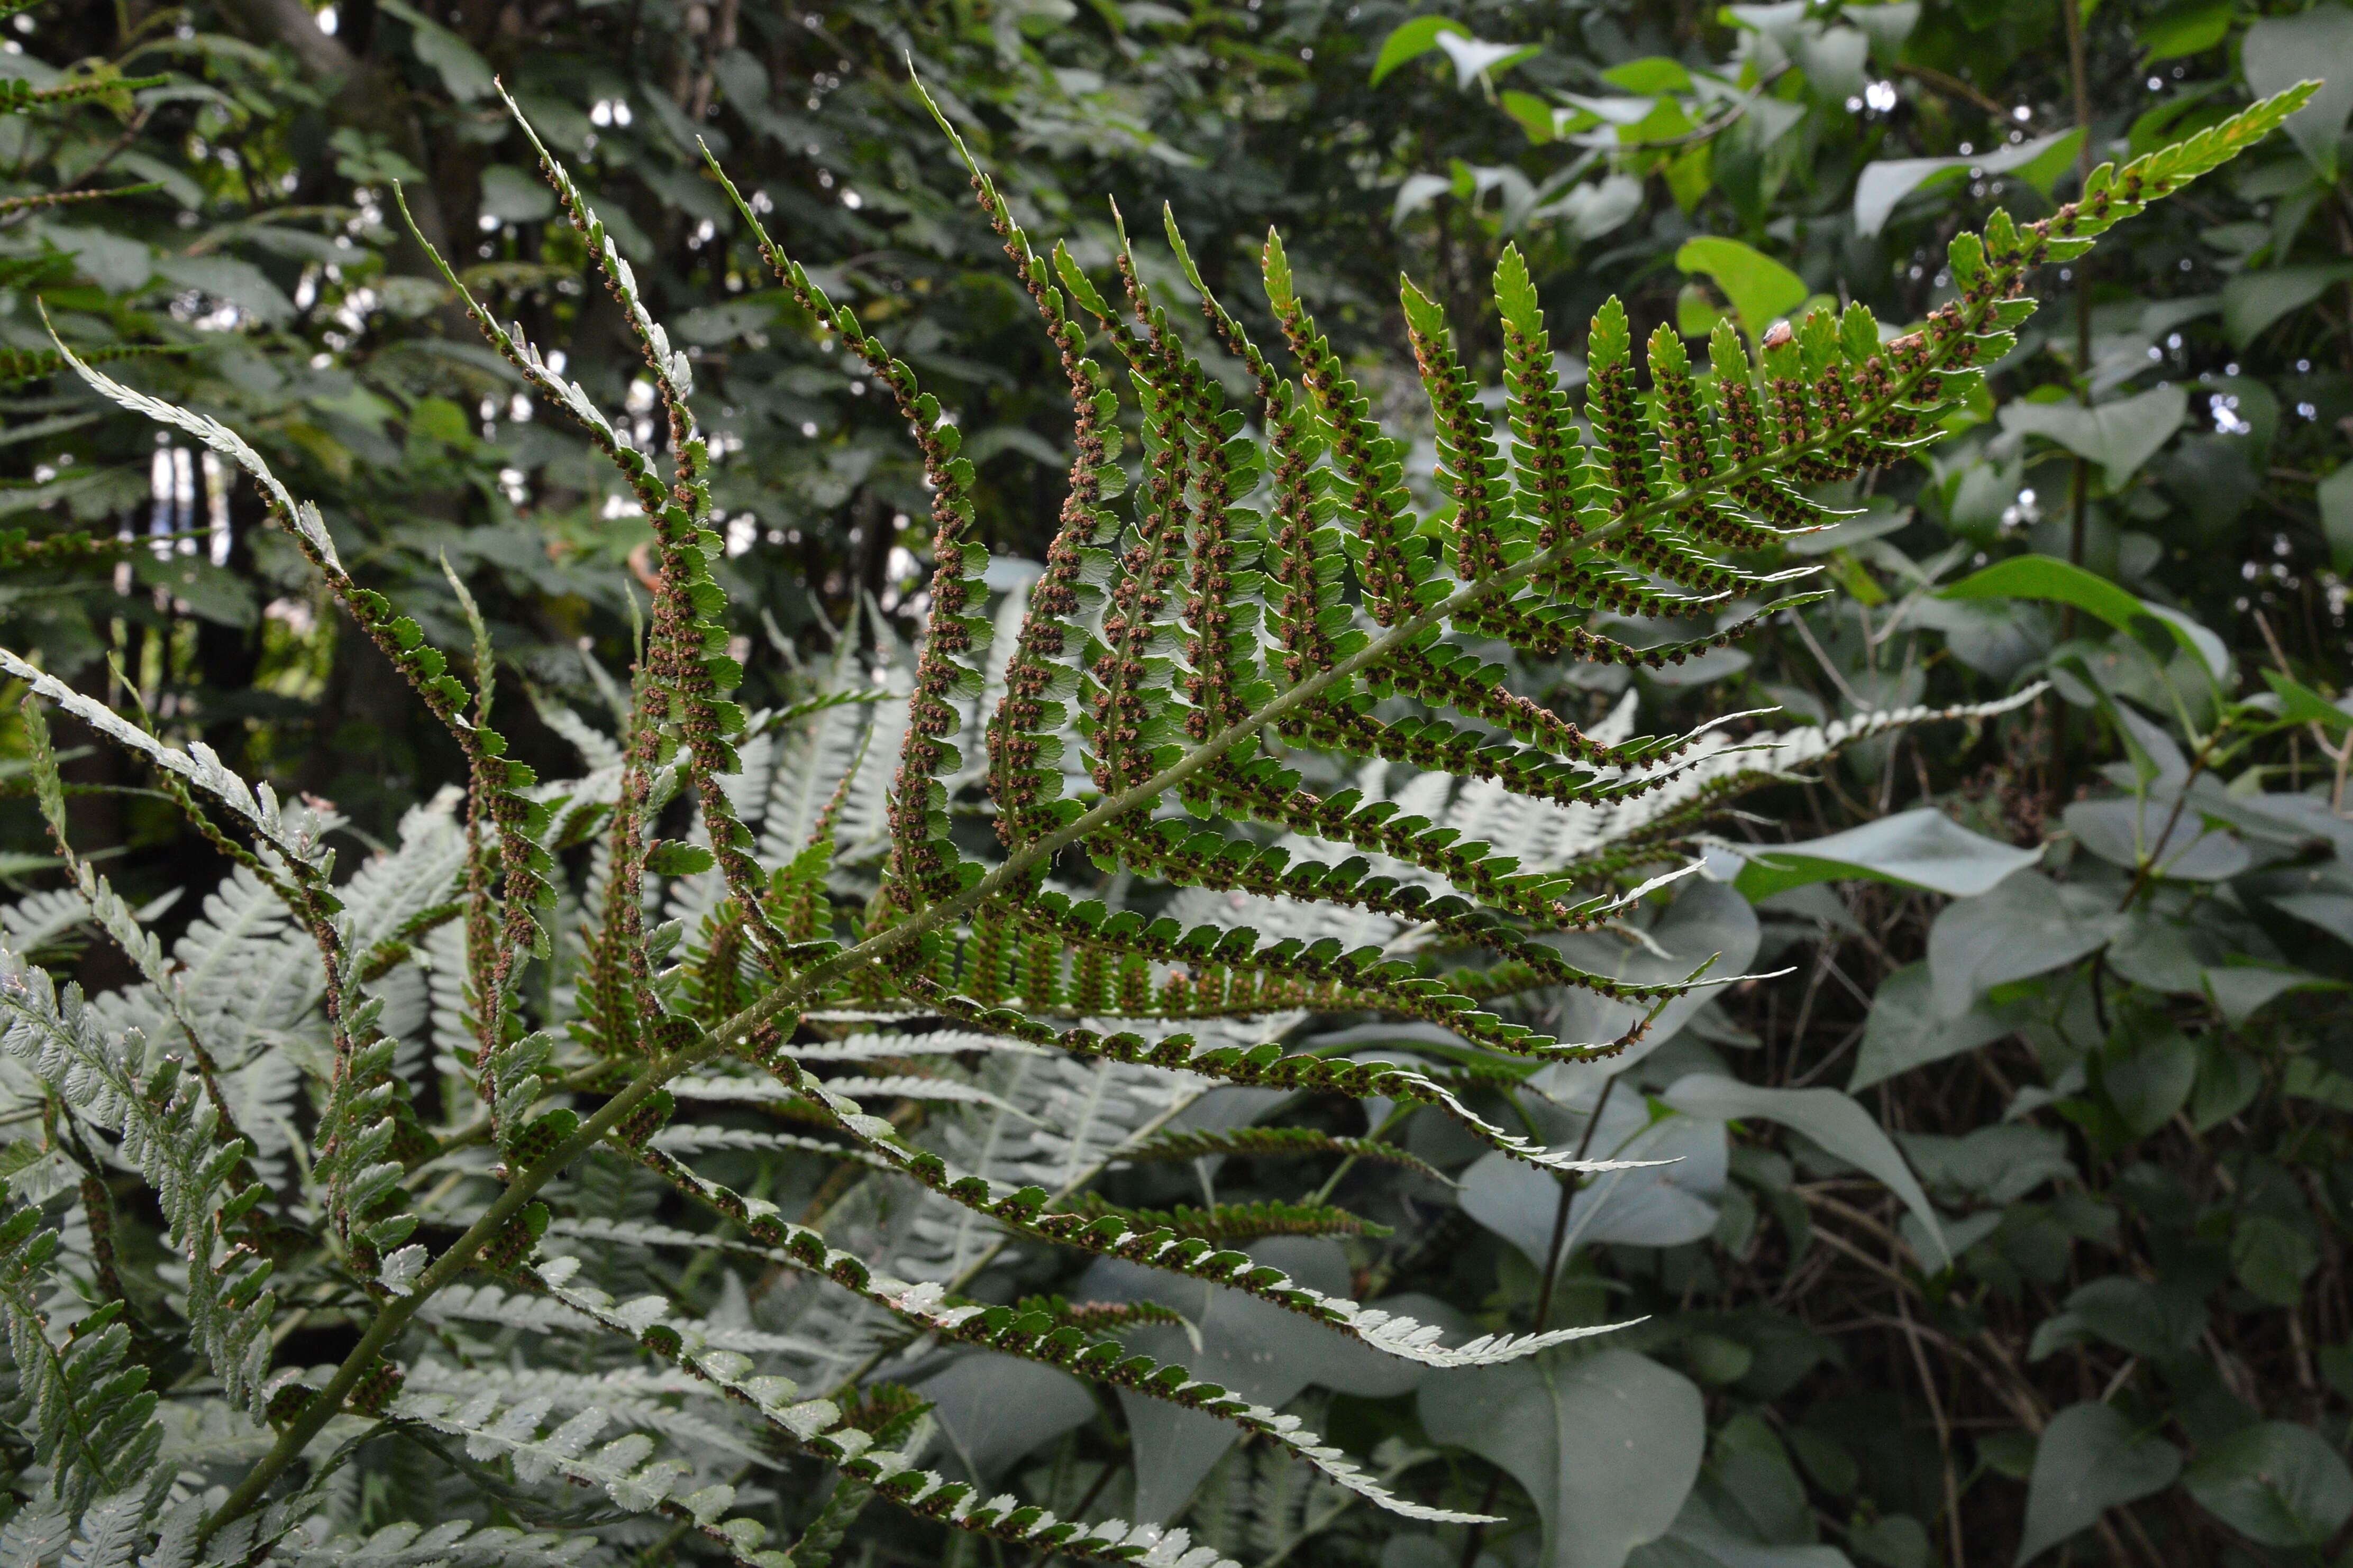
x=2140, y=1318
x=2126, y=832
x=1702, y=1537
x=1832, y=59
x=1831, y=1118
x=1761, y=290
x=1892, y=1539
x=1707, y=919
x=2275, y=1483
x=2335, y=495
x=2120, y=436
x=1904, y=1031
x=2272, y=1258
x=1650, y=75
x=2089, y=1460
x=1663, y=1205
x=1608, y=1445
x=2029, y=925
x=2149, y=1078
x=465, y=73
x=1921, y=848
x=2186, y=27
x=1994, y=1165
x=2228, y=1081
x=2305, y=706
x=1536, y=116
x=241, y=283
x=2047, y=577
x=994, y=1408
x=513, y=195
x=1475, y=58
x=212, y=593
x=1411, y=41
x=2242, y=990
x=2280, y=51
x=118, y=263
x=2253, y=300
x=1251, y=1347
x=1884, y=184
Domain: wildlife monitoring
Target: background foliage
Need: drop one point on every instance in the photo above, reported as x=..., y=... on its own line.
x=2120, y=1079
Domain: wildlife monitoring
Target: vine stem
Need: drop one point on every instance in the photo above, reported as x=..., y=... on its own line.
x=737, y=1031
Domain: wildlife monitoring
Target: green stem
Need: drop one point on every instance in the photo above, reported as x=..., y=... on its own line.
x=2148, y=856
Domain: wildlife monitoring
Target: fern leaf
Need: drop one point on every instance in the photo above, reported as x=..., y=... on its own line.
x=1392, y=561
x=1032, y=1336
x=454, y=1544
x=1158, y=1246
x=91, y=1415
x=170, y=1137
x=1232, y=1224
x=1265, y=1143
x=623, y=1469
x=199, y=764
x=111, y=1532
x=39, y=921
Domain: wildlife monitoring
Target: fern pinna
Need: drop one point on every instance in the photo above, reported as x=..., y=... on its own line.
x=459, y=1107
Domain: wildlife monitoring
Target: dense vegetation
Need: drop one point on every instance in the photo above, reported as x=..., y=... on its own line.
x=1997, y=1029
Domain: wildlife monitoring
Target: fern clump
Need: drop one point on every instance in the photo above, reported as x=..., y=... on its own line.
x=457, y=1107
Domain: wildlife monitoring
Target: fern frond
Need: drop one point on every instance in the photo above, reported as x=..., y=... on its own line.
x=1020, y=1211
x=91, y=1415
x=172, y=1138
x=1264, y=1067
x=1140, y=652
x=1031, y=1336
x=199, y=765
x=111, y=1533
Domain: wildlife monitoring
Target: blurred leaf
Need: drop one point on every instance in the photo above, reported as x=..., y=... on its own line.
x=2253, y=300
x=464, y=73
x=1904, y=1031
x=1608, y=1444
x=2274, y=1483
x=1761, y=290
x=1650, y=75
x=1831, y=1118
x=1921, y=848
x=2027, y=926
x=2335, y=494
x=1668, y=1204
x=2043, y=577
x=2149, y=1077
x=1411, y=41
x=2272, y=1258
x=1477, y=57
x=2316, y=44
x=1885, y=184
x=514, y=195
x=2120, y=436
x=2186, y=27
x=2126, y=833
x=2089, y=1459
x=995, y=1408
